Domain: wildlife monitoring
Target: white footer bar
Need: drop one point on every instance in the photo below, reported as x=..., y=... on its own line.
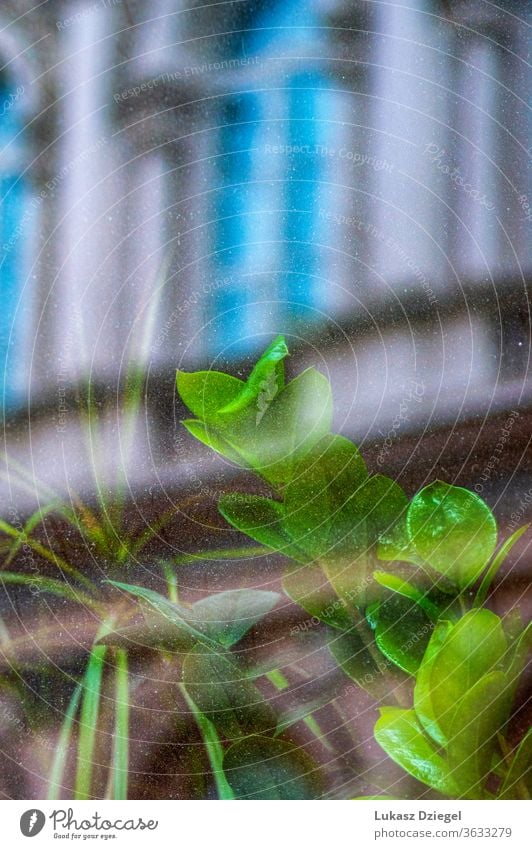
x=256, y=825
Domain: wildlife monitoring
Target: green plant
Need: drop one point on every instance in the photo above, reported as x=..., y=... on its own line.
x=51, y=540
x=245, y=738
x=334, y=522
x=453, y=738
x=398, y=585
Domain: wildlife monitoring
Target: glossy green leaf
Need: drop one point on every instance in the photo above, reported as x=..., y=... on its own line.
x=308, y=587
x=401, y=736
x=261, y=519
x=518, y=781
x=422, y=691
x=226, y=696
x=473, y=647
x=480, y=714
x=453, y=530
x=227, y=616
x=264, y=382
x=264, y=768
x=402, y=631
x=206, y=392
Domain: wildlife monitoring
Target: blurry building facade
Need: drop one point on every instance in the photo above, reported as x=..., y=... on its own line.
x=180, y=182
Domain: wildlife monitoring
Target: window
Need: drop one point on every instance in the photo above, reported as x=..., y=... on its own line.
x=15, y=225
x=271, y=166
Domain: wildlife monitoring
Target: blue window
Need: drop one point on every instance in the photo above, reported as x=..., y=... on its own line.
x=269, y=182
x=14, y=226
x=236, y=224
x=306, y=134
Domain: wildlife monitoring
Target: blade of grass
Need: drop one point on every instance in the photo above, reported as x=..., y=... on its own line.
x=90, y=709
x=46, y=553
x=222, y=554
x=132, y=401
x=63, y=743
x=49, y=585
x=27, y=482
x=34, y=520
x=144, y=539
x=280, y=682
x=139, y=353
x=121, y=735
x=213, y=747
x=95, y=534
x=32, y=484
x=496, y=564
x=171, y=581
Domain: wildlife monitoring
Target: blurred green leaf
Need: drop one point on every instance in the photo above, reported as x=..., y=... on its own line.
x=518, y=781
x=48, y=585
x=302, y=710
x=175, y=613
x=519, y=655
x=264, y=768
x=55, y=782
x=225, y=695
x=401, y=736
x=422, y=691
x=453, y=530
x=479, y=715
x=308, y=587
x=321, y=517
x=227, y=616
x=120, y=764
x=297, y=419
x=89, y=721
x=383, y=502
x=262, y=520
x=473, y=647
x=248, y=552
x=354, y=658
x=269, y=435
